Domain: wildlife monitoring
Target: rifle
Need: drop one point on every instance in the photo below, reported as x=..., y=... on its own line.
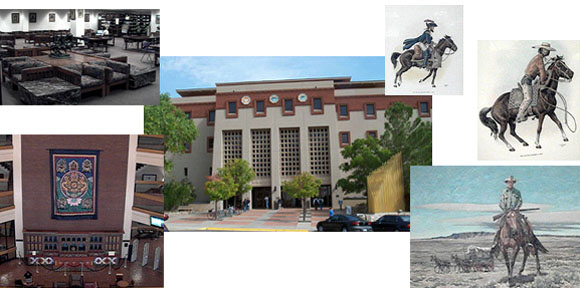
x=520, y=210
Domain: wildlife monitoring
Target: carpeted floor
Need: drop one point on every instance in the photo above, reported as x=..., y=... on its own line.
x=148, y=95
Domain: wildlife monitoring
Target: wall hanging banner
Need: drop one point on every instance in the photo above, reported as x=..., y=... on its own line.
x=74, y=183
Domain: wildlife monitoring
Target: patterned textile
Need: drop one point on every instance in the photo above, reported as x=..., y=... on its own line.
x=88, y=81
x=118, y=76
x=95, y=71
x=74, y=183
x=517, y=97
x=49, y=91
x=140, y=77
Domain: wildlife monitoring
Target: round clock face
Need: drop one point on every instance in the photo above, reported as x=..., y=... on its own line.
x=274, y=99
x=246, y=100
x=302, y=97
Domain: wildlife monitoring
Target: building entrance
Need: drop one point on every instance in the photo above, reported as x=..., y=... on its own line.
x=259, y=195
x=325, y=192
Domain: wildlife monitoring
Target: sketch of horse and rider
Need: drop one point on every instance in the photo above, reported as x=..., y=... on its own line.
x=535, y=96
x=423, y=52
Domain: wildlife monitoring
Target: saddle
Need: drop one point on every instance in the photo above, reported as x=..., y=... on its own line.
x=434, y=61
x=517, y=96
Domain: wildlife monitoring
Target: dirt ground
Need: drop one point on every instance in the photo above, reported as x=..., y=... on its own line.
x=560, y=267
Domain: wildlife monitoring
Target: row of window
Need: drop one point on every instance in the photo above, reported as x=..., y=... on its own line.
x=344, y=136
x=317, y=108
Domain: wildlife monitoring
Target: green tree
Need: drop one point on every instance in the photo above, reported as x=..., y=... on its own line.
x=363, y=157
x=241, y=173
x=168, y=120
x=179, y=192
x=411, y=137
x=218, y=189
x=301, y=187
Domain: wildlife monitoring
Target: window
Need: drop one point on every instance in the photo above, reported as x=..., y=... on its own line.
x=370, y=112
x=344, y=138
x=343, y=110
x=317, y=105
x=211, y=117
x=424, y=108
x=185, y=171
x=209, y=144
x=232, y=108
x=210, y=170
x=187, y=147
x=372, y=133
x=188, y=115
x=288, y=106
x=261, y=152
x=260, y=106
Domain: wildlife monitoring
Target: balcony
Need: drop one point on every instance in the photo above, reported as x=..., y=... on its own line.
x=150, y=143
x=6, y=192
x=149, y=190
x=5, y=141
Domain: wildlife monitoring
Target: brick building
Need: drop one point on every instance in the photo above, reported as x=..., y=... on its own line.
x=283, y=128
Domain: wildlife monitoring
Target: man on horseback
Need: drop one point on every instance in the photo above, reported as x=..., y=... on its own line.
x=511, y=199
x=423, y=43
x=535, y=68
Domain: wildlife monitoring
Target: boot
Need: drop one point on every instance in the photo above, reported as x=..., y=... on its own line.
x=523, y=111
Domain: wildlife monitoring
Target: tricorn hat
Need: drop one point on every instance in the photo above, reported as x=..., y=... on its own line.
x=544, y=45
x=510, y=179
x=430, y=23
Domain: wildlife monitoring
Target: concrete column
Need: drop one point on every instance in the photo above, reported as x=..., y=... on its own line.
x=17, y=185
x=129, y=194
x=275, y=161
x=335, y=158
x=77, y=25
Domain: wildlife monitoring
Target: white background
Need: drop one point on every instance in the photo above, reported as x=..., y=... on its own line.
x=291, y=28
x=403, y=22
x=501, y=67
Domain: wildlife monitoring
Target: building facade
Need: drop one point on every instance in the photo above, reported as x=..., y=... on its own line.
x=73, y=200
x=283, y=128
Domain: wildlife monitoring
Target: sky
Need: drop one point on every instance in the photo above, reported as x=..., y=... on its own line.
x=455, y=199
x=204, y=72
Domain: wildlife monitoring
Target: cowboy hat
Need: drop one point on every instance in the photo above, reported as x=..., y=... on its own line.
x=510, y=179
x=544, y=45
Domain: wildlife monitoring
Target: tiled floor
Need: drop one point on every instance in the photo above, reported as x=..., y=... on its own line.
x=148, y=95
x=144, y=276
x=286, y=218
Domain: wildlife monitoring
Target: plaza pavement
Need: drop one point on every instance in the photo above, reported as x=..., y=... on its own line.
x=257, y=220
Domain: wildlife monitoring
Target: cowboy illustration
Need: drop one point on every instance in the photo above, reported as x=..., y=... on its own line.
x=423, y=43
x=535, y=68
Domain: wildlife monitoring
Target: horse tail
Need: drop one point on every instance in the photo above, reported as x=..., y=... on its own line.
x=487, y=121
x=539, y=246
x=394, y=57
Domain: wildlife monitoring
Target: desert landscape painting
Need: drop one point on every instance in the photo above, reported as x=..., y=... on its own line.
x=453, y=230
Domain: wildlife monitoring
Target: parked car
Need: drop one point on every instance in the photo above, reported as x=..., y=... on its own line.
x=392, y=223
x=344, y=223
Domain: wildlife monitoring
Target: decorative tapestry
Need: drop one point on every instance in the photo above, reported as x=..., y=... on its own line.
x=74, y=183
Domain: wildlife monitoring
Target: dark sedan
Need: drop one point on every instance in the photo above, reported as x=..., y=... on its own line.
x=344, y=223
x=392, y=223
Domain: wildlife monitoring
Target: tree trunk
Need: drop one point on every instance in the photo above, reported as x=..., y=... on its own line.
x=216, y=211
x=303, y=210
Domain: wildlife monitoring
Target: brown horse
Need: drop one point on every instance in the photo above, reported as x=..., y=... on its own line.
x=517, y=233
x=406, y=59
x=546, y=106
